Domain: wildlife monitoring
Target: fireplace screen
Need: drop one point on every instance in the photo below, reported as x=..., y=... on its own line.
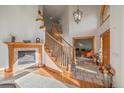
x=26, y=57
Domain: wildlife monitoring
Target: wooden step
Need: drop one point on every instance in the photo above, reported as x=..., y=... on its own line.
x=40, y=19
x=42, y=27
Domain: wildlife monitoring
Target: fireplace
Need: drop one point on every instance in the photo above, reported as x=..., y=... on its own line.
x=19, y=51
x=26, y=57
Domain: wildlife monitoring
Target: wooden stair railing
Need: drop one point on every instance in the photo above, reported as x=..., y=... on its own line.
x=62, y=53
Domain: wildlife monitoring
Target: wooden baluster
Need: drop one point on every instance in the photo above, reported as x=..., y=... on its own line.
x=63, y=59
x=66, y=60
x=59, y=56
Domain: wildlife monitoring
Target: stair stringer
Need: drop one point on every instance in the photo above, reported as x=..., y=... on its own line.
x=49, y=62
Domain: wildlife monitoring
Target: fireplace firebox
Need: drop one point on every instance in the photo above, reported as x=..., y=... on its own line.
x=26, y=57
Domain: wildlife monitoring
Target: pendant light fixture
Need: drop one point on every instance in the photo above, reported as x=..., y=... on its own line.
x=77, y=15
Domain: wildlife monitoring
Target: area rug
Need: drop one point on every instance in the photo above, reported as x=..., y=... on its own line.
x=33, y=80
x=8, y=85
x=1, y=77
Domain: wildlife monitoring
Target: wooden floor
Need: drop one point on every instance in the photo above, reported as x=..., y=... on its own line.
x=65, y=78
x=5, y=74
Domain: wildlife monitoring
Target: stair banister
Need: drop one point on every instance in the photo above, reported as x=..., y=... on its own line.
x=64, y=53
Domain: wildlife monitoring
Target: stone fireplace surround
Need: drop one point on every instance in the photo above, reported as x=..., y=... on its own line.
x=16, y=50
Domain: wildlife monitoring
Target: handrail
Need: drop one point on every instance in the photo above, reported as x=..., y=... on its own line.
x=56, y=31
x=67, y=42
x=60, y=42
x=54, y=39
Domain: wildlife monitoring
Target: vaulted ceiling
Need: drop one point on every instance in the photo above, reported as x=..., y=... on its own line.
x=55, y=11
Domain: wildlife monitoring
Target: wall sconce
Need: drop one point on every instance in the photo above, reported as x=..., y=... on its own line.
x=77, y=15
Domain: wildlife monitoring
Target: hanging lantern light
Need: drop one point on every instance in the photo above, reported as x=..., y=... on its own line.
x=77, y=15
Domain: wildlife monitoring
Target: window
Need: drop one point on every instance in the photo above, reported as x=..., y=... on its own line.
x=104, y=13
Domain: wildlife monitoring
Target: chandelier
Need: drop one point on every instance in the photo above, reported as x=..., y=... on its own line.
x=77, y=15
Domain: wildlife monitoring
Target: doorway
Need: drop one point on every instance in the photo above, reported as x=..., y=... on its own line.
x=84, y=48
x=105, y=47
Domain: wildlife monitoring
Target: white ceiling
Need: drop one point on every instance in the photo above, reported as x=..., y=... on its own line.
x=54, y=10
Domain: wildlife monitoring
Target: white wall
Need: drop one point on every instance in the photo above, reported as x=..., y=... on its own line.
x=87, y=26
x=3, y=56
x=115, y=42
x=122, y=47
x=65, y=24
x=19, y=21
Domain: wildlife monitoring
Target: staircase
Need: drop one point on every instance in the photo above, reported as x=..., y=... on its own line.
x=60, y=53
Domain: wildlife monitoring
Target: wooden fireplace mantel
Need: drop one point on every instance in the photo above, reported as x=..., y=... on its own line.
x=13, y=45
x=18, y=44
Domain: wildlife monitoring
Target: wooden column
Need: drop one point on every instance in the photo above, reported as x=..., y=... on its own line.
x=11, y=59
